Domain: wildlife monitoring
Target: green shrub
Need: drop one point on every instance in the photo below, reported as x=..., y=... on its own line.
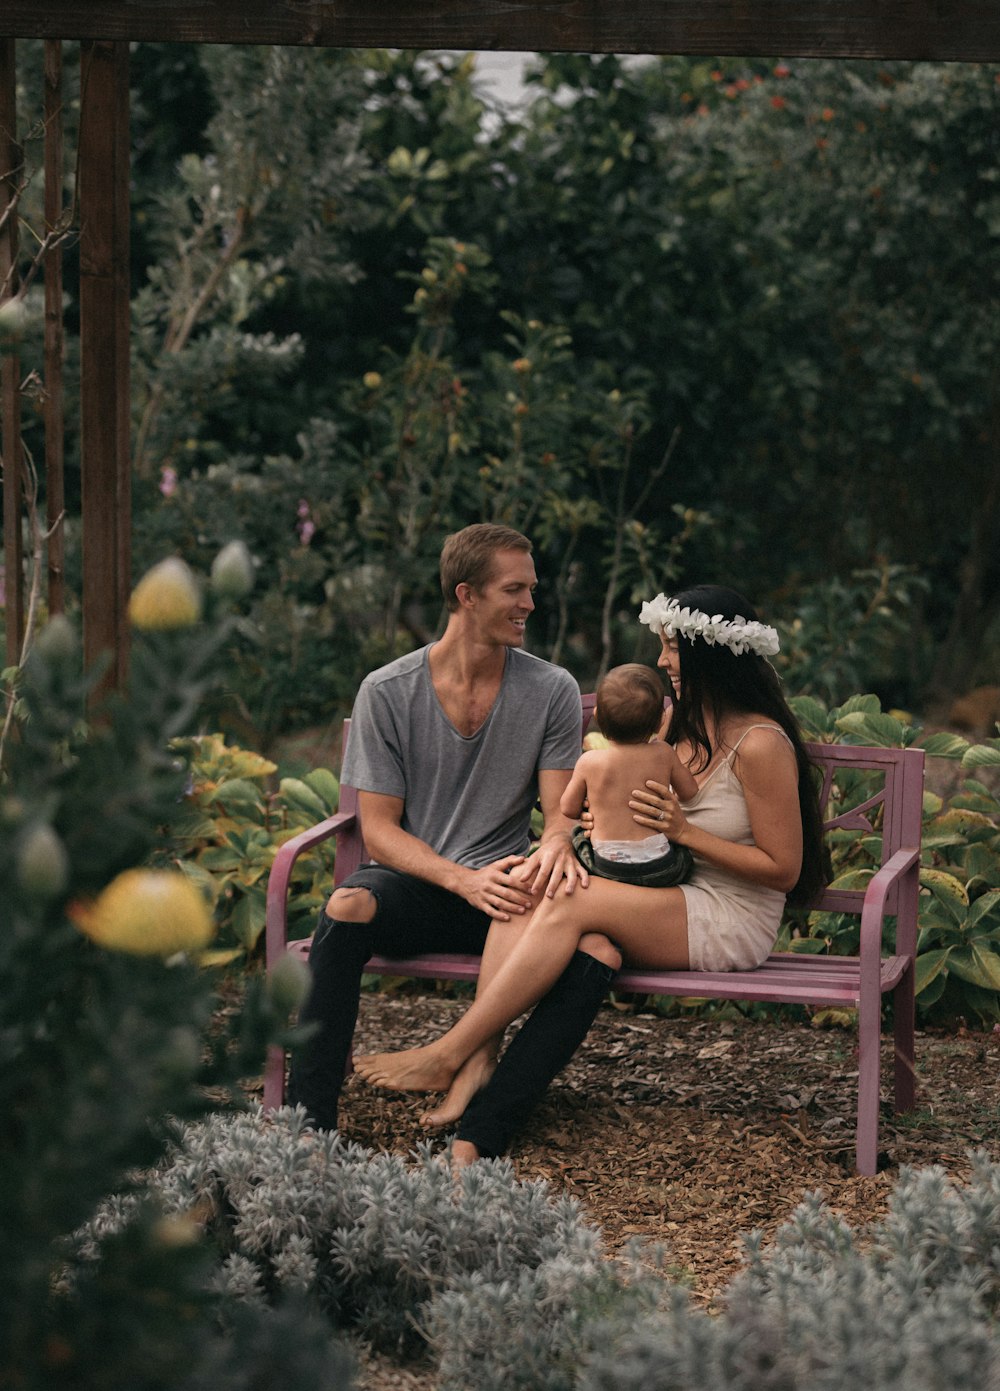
x=98, y=1046
x=233, y=825
x=958, y=945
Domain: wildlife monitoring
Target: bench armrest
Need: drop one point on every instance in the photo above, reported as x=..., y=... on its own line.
x=281, y=873
x=873, y=914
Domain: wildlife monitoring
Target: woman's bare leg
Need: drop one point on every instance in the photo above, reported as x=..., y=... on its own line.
x=477, y=1070
x=649, y=926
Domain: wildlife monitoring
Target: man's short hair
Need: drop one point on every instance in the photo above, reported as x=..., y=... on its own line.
x=467, y=556
x=630, y=704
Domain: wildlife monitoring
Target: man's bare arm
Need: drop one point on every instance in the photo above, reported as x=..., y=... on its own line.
x=490, y=889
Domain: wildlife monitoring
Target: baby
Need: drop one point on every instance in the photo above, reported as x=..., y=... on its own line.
x=629, y=712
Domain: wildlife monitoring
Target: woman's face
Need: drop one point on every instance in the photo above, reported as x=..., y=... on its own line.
x=669, y=661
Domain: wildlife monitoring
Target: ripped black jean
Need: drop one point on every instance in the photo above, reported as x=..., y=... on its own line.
x=411, y=917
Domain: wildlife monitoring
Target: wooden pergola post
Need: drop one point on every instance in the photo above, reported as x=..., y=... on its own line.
x=54, y=337
x=10, y=369
x=104, y=351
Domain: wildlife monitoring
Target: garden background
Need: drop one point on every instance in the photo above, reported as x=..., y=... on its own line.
x=677, y=320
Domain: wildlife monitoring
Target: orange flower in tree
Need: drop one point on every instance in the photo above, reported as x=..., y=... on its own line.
x=148, y=912
x=166, y=597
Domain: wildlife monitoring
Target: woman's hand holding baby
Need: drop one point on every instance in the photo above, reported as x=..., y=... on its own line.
x=655, y=805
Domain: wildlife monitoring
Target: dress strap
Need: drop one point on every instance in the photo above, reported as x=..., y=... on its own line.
x=776, y=727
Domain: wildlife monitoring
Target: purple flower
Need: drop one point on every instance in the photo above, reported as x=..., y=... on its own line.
x=168, y=480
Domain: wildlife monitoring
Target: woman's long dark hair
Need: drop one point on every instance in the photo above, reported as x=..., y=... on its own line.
x=716, y=680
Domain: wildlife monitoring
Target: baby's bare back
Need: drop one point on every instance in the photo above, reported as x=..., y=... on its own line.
x=612, y=773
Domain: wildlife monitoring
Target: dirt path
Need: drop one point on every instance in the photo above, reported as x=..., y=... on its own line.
x=695, y=1132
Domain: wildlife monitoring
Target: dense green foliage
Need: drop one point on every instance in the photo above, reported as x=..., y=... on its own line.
x=958, y=943
x=678, y=319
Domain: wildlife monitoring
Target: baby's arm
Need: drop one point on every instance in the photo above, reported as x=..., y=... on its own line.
x=681, y=778
x=572, y=800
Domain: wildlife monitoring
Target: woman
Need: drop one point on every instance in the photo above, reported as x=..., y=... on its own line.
x=753, y=828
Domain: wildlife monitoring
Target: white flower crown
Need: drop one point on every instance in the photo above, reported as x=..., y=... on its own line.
x=665, y=616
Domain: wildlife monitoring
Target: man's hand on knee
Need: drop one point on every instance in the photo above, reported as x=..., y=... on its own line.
x=493, y=889
x=552, y=865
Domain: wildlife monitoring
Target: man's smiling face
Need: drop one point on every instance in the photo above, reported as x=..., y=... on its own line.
x=503, y=604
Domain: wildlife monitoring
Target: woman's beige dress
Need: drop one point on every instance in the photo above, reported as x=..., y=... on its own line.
x=732, y=924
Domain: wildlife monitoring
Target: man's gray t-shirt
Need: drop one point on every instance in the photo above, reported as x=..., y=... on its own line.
x=469, y=799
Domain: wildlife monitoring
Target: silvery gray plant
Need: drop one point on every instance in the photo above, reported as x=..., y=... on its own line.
x=511, y=1290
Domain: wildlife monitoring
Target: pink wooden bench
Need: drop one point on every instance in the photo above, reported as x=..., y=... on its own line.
x=891, y=807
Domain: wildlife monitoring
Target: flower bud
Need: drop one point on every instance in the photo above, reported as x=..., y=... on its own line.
x=42, y=865
x=57, y=641
x=148, y=912
x=288, y=983
x=166, y=597
x=232, y=571
x=13, y=317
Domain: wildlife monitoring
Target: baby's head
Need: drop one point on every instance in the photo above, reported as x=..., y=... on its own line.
x=630, y=704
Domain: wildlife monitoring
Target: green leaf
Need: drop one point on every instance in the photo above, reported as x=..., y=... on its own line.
x=853, y=879
x=237, y=794
x=249, y=917
x=221, y=859
x=982, y=907
x=929, y=966
x=812, y=716
x=982, y=756
x=943, y=744
x=808, y=946
x=298, y=796
x=865, y=704
x=976, y=964
x=206, y=882
x=876, y=731
x=946, y=888
x=933, y=992
x=325, y=785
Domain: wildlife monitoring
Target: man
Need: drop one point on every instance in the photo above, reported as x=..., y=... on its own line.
x=449, y=748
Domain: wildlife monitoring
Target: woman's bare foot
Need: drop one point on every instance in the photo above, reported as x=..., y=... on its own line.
x=470, y=1078
x=463, y=1153
x=412, y=1070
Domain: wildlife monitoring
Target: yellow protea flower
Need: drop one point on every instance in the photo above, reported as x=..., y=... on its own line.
x=149, y=912
x=166, y=597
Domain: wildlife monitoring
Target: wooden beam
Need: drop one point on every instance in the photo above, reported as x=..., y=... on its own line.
x=104, y=351
x=966, y=30
x=54, y=346
x=10, y=367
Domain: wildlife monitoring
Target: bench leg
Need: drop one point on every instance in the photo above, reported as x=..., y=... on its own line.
x=905, y=1074
x=274, y=1078
x=866, y=1155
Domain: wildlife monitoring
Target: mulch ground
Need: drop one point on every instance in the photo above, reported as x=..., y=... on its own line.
x=695, y=1132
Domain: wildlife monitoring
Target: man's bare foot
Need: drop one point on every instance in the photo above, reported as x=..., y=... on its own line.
x=463, y=1153
x=470, y=1078
x=412, y=1070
